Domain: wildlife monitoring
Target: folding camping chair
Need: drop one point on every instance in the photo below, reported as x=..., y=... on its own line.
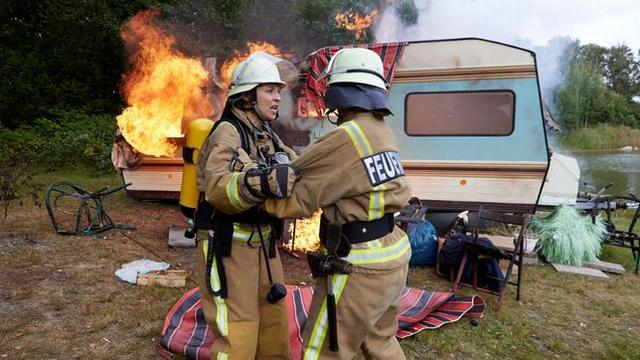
x=482, y=252
x=76, y=211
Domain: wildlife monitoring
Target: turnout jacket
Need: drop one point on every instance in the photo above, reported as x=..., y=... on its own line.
x=222, y=186
x=353, y=173
x=245, y=325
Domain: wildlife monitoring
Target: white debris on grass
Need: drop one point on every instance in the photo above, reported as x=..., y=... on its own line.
x=129, y=271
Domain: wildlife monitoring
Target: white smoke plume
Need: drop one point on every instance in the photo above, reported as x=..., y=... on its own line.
x=497, y=20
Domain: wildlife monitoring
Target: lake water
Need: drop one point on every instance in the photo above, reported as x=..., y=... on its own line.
x=601, y=168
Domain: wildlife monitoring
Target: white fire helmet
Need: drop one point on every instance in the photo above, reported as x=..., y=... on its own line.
x=262, y=68
x=357, y=65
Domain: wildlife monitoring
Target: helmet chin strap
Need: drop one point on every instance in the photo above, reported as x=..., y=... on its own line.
x=342, y=115
x=332, y=111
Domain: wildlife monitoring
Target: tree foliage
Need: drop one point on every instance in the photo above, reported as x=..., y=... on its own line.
x=66, y=55
x=622, y=71
x=16, y=182
x=601, y=87
x=60, y=54
x=206, y=28
x=583, y=96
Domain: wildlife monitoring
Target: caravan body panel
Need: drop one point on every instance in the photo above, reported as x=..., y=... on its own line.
x=453, y=163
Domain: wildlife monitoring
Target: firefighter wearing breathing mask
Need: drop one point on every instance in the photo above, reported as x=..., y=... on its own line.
x=355, y=176
x=242, y=163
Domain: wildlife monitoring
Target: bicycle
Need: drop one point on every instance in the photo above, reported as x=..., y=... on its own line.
x=593, y=203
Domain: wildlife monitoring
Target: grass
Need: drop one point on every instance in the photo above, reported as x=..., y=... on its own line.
x=600, y=137
x=559, y=316
x=59, y=297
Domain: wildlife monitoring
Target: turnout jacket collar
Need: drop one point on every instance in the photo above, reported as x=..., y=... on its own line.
x=356, y=114
x=260, y=131
x=249, y=118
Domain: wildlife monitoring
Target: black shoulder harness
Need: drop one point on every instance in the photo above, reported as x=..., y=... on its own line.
x=240, y=128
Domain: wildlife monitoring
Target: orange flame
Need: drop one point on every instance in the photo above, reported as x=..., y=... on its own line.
x=163, y=89
x=355, y=22
x=307, y=233
x=227, y=68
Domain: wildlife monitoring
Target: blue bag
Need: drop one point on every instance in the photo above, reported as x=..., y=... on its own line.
x=424, y=243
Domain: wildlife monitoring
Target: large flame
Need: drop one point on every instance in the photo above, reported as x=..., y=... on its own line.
x=355, y=22
x=163, y=88
x=307, y=233
x=238, y=56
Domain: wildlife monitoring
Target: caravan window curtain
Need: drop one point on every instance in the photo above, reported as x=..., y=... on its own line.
x=475, y=113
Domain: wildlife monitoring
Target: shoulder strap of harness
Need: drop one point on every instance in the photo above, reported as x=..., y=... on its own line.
x=275, y=138
x=240, y=128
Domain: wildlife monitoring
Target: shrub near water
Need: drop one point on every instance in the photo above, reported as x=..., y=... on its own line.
x=63, y=140
x=601, y=137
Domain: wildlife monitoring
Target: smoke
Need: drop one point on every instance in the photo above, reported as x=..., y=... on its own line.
x=496, y=20
x=553, y=63
x=442, y=19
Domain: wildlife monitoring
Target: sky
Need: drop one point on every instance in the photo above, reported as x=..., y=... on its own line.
x=536, y=22
x=605, y=23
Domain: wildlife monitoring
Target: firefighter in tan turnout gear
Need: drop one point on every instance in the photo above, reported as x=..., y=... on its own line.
x=243, y=162
x=355, y=176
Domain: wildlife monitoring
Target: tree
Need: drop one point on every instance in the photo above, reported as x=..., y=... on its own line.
x=206, y=28
x=316, y=25
x=216, y=28
x=618, y=66
x=617, y=110
x=622, y=71
x=600, y=87
x=594, y=55
x=581, y=100
x=60, y=54
x=407, y=12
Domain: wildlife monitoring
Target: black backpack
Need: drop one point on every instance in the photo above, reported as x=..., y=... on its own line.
x=489, y=273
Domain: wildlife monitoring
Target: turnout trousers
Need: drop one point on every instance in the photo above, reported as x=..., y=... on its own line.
x=245, y=324
x=367, y=310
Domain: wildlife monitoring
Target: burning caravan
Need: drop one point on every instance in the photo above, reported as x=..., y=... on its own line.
x=467, y=116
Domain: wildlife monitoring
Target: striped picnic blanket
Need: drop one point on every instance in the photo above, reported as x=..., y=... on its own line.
x=315, y=85
x=185, y=330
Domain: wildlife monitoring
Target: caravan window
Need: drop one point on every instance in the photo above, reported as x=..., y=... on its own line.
x=480, y=113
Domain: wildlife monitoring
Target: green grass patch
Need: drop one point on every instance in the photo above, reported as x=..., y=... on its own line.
x=91, y=180
x=65, y=301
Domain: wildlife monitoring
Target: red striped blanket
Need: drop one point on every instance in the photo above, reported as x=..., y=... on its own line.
x=315, y=85
x=185, y=330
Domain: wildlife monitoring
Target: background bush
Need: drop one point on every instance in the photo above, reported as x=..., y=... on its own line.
x=601, y=137
x=64, y=140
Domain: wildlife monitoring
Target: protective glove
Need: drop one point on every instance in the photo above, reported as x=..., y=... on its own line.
x=242, y=162
x=275, y=181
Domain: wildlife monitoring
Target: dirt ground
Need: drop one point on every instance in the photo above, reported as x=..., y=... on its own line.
x=59, y=298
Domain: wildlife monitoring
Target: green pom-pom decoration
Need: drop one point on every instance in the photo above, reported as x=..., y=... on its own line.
x=567, y=237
